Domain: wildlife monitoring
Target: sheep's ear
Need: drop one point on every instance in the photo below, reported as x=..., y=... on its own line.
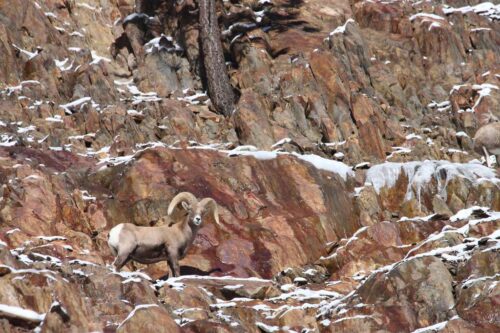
x=185, y=205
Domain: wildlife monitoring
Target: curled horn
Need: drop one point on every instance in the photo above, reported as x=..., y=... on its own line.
x=210, y=203
x=183, y=196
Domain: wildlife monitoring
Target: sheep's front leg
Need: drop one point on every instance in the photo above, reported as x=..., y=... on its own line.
x=173, y=262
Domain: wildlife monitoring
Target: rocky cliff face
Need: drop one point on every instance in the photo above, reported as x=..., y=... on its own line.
x=349, y=191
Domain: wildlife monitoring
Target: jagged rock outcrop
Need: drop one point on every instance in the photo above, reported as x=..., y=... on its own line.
x=349, y=190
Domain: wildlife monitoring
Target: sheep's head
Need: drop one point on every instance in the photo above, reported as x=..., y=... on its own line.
x=195, y=211
x=487, y=118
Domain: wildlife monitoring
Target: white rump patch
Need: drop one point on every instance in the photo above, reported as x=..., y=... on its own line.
x=114, y=236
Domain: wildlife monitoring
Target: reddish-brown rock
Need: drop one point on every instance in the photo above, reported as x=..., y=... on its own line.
x=104, y=118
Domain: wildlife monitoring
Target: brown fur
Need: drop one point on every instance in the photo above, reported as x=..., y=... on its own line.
x=170, y=242
x=488, y=138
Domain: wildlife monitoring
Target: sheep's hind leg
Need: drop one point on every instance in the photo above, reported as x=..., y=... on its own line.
x=487, y=156
x=122, y=259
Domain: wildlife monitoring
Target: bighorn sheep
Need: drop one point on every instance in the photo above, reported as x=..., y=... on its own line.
x=148, y=245
x=487, y=141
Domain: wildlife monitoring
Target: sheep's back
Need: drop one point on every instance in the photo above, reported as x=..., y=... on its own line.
x=488, y=136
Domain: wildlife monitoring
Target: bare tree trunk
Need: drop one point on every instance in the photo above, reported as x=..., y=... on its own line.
x=219, y=89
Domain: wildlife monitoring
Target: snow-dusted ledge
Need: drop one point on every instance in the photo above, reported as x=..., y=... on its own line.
x=319, y=162
x=137, y=308
x=420, y=173
x=381, y=175
x=20, y=313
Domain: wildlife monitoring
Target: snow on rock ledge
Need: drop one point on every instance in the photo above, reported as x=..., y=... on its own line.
x=317, y=161
x=420, y=173
x=16, y=312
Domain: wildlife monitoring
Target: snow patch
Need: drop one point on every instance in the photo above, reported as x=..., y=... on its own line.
x=162, y=43
x=17, y=312
x=352, y=318
x=61, y=64
x=20, y=86
x=427, y=17
x=97, y=58
x=432, y=328
x=79, y=102
x=22, y=130
x=466, y=213
x=306, y=294
x=51, y=238
x=233, y=287
x=487, y=9
x=420, y=173
x=267, y=328
x=56, y=119
x=341, y=29
x=29, y=54
x=281, y=142
x=137, y=308
x=413, y=136
x=317, y=161
x=328, y=165
x=260, y=155
x=7, y=141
